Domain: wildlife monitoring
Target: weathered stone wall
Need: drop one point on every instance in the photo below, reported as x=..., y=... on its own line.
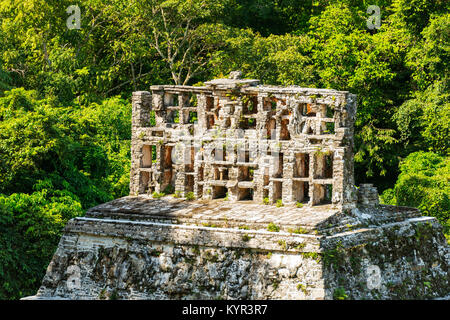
x=113, y=259
x=411, y=258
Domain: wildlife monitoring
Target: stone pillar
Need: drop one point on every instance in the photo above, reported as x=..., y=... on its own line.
x=141, y=107
x=288, y=173
x=158, y=105
x=141, y=104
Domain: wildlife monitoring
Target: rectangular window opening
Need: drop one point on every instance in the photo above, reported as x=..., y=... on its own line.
x=209, y=103
x=193, y=118
x=246, y=174
x=251, y=123
x=330, y=112
x=271, y=126
x=277, y=190
x=173, y=116
x=284, y=134
x=189, y=183
x=144, y=182
x=220, y=173
x=301, y=165
x=220, y=153
x=245, y=194
x=171, y=100
x=152, y=120
x=243, y=156
x=309, y=110
x=298, y=191
x=323, y=166
x=219, y=192
x=250, y=105
x=278, y=165
x=148, y=156
x=192, y=100
x=200, y=175
x=329, y=128
x=190, y=156
x=210, y=121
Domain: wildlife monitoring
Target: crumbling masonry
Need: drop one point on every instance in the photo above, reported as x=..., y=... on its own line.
x=236, y=139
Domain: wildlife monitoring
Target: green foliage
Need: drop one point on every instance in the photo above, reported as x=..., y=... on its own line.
x=423, y=183
x=423, y=121
x=190, y=196
x=30, y=228
x=82, y=150
x=302, y=287
x=169, y=189
x=272, y=227
x=55, y=161
x=158, y=195
x=298, y=230
x=430, y=57
x=340, y=294
x=279, y=203
x=177, y=194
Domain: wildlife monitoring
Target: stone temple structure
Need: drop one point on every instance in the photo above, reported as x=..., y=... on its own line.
x=245, y=191
x=234, y=139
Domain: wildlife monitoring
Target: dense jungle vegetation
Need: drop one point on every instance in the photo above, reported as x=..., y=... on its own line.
x=65, y=107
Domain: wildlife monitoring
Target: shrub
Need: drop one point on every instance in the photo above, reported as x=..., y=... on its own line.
x=340, y=294
x=157, y=195
x=272, y=227
x=30, y=228
x=423, y=183
x=190, y=196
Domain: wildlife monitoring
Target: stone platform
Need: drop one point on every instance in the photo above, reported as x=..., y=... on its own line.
x=144, y=248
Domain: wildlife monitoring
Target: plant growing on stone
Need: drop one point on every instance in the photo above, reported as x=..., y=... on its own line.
x=177, y=194
x=272, y=227
x=302, y=287
x=190, y=196
x=298, y=230
x=340, y=294
x=157, y=195
x=169, y=189
x=282, y=244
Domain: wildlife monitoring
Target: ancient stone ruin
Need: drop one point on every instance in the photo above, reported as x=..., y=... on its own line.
x=236, y=139
x=246, y=191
